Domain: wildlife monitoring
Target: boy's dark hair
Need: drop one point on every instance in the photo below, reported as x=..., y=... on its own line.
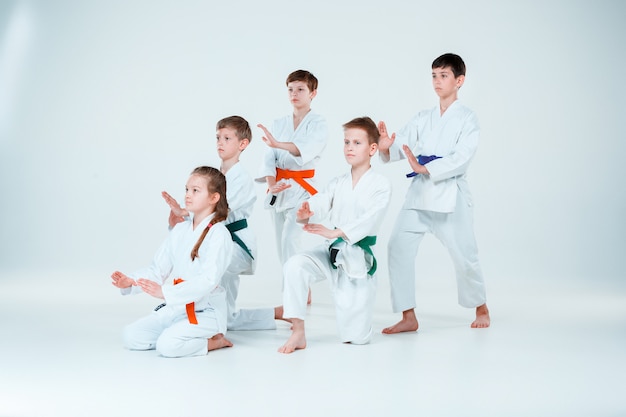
x=366, y=124
x=238, y=124
x=453, y=61
x=305, y=77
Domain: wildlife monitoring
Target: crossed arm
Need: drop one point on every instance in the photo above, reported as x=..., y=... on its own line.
x=122, y=281
x=271, y=141
x=385, y=142
x=303, y=215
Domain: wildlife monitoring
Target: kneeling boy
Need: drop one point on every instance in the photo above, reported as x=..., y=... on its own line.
x=354, y=203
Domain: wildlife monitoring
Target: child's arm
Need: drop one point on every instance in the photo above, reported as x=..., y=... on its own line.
x=320, y=229
x=177, y=213
x=457, y=162
x=121, y=280
x=157, y=272
x=384, y=142
x=323, y=203
x=304, y=213
x=199, y=281
x=273, y=143
x=311, y=139
x=415, y=165
x=150, y=287
x=274, y=187
x=391, y=148
x=239, y=191
x=375, y=199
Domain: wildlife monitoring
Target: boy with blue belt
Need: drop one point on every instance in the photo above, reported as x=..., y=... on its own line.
x=438, y=200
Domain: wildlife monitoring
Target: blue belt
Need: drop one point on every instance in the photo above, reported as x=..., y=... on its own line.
x=422, y=160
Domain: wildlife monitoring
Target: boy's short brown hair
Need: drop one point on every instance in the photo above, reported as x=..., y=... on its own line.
x=453, y=61
x=366, y=124
x=305, y=77
x=238, y=124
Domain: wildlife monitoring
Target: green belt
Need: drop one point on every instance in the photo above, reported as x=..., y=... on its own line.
x=366, y=244
x=235, y=227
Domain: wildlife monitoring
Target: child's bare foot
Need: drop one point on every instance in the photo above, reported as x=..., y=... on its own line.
x=297, y=340
x=482, y=317
x=407, y=324
x=219, y=341
x=278, y=314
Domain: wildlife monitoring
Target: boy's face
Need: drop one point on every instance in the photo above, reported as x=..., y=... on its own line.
x=356, y=147
x=444, y=82
x=299, y=94
x=228, y=143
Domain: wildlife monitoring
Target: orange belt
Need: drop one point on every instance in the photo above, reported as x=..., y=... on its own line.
x=297, y=176
x=191, y=307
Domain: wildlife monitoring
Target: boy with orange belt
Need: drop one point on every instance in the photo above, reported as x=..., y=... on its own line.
x=295, y=144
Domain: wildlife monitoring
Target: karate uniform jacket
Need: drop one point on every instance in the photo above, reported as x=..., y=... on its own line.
x=310, y=137
x=201, y=277
x=453, y=137
x=241, y=197
x=357, y=212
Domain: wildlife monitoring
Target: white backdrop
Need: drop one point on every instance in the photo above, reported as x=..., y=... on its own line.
x=105, y=104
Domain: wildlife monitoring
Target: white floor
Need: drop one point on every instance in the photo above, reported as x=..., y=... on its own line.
x=550, y=352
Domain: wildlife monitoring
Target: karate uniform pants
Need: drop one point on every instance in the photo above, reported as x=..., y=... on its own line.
x=288, y=234
x=354, y=298
x=456, y=231
x=245, y=319
x=171, y=334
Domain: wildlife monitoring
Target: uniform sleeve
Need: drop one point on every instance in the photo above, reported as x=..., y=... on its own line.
x=270, y=158
x=240, y=191
x=312, y=141
x=322, y=202
x=214, y=255
x=367, y=221
x=159, y=269
x=408, y=135
x=268, y=166
x=457, y=162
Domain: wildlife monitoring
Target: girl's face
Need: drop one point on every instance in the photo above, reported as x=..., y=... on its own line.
x=198, y=199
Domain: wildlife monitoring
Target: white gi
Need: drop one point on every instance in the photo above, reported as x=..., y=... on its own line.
x=358, y=213
x=440, y=204
x=310, y=137
x=168, y=329
x=241, y=198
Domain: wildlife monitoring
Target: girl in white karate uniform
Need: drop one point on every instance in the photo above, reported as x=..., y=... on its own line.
x=233, y=135
x=186, y=273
